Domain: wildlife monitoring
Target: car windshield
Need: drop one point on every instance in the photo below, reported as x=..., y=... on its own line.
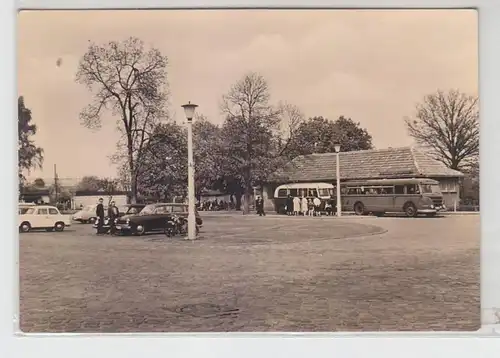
x=430, y=188
x=123, y=208
x=29, y=211
x=148, y=209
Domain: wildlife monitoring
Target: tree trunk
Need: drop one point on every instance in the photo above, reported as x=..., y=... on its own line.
x=246, y=203
x=133, y=178
x=237, y=205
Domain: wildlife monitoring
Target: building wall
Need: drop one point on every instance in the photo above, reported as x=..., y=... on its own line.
x=92, y=199
x=450, y=187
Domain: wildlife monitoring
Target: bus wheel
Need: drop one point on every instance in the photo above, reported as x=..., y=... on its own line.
x=410, y=210
x=359, y=208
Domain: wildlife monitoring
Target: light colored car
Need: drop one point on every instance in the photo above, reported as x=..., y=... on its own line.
x=86, y=215
x=43, y=217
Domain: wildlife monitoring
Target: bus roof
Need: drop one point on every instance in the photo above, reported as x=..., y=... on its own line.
x=306, y=186
x=392, y=181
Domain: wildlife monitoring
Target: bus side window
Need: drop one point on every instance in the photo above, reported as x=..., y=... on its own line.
x=282, y=193
x=389, y=190
x=412, y=189
x=313, y=192
x=399, y=189
x=293, y=192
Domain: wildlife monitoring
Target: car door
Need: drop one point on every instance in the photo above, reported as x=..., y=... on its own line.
x=42, y=218
x=158, y=218
x=55, y=216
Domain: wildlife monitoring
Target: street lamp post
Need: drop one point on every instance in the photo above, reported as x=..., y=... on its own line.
x=189, y=110
x=339, y=199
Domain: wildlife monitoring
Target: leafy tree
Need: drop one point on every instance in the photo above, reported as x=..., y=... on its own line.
x=39, y=183
x=448, y=124
x=29, y=155
x=249, y=128
x=163, y=173
x=164, y=170
x=319, y=135
x=130, y=82
x=89, y=183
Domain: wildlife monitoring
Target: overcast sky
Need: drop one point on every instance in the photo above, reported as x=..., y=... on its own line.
x=372, y=66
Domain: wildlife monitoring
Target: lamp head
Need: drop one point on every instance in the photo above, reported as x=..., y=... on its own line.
x=189, y=110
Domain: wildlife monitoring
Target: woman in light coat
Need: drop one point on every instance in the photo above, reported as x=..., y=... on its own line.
x=296, y=205
x=304, y=205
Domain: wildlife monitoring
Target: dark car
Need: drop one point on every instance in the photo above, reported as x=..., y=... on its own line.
x=128, y=209
x=152, y=218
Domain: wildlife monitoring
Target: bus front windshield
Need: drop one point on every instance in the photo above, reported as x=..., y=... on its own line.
x=430, y=188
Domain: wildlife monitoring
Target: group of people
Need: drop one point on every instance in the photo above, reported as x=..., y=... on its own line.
x=304, y=206
x=215, y=205
x=113, y=213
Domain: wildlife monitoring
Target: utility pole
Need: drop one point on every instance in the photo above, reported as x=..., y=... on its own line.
x=56, y=184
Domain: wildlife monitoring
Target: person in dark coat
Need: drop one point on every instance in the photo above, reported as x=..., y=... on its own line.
x=259, y=205
x=99, y=212
x=289, y=205
x=113, y=214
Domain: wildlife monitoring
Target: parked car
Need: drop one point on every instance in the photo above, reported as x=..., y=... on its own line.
x=43, y=217
x=129, y=209
x=86, y=215
x=152, y=218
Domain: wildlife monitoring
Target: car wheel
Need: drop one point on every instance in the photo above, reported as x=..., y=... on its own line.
x=25, y=227
x=91, y=220
x=59, y=226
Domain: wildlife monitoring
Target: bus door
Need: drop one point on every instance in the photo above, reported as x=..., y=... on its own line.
x=400, y=197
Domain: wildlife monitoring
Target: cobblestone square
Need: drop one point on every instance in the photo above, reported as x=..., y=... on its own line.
x=247, y=273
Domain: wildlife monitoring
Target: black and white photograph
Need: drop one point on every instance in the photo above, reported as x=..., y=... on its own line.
x=248, y=170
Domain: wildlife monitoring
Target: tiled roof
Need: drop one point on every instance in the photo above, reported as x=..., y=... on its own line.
x=405, y=162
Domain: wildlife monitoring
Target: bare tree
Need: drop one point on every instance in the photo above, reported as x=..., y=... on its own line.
x=129, y=81
x=291, y=117
x=249, y=126
x=448, y=124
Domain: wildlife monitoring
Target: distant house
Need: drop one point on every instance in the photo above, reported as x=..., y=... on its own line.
x=84, y=198
x=391, y=163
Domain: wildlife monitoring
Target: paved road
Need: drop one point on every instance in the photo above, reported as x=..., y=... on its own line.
x=257, y=274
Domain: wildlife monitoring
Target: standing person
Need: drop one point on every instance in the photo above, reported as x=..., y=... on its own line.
x=296, y=206
x=303, y=206
x=99, y=212
x=112, y=215
x=259, y=205
x=317, y=206
x=289, y=205
x=329, y=205
x=310, y=207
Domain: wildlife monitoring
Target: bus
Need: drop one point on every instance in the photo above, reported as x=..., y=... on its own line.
x=323, y=191
x=409, y=196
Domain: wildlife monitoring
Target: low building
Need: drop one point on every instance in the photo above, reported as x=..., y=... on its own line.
x=390, y=163
x=84, y=198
